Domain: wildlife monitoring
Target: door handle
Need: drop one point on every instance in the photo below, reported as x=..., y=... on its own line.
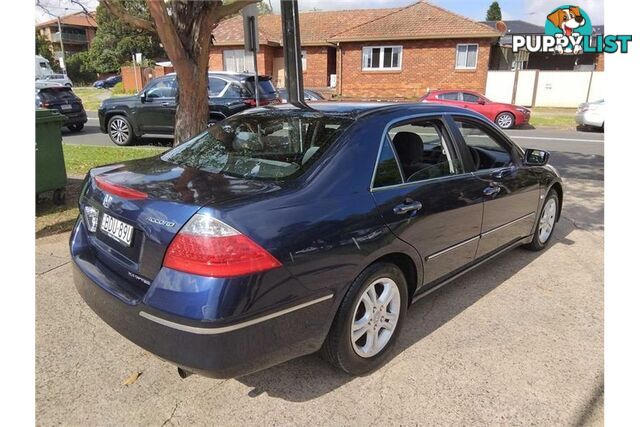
x=492, y=190
x=165, y=104
x=406, y=207
x=499, y=174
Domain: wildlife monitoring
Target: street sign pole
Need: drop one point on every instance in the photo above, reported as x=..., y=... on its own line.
x=251, y=42
x=63, y=65
x=292, y=52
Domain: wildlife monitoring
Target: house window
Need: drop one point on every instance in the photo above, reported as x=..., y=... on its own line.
x=304, y=59
x=467, y=56
x=382, y=57
x=237, y=60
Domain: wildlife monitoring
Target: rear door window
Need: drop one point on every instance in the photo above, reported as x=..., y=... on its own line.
x=216, y=86
x=450, y=96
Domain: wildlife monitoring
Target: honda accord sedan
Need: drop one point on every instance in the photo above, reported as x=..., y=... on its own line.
x=286, y=230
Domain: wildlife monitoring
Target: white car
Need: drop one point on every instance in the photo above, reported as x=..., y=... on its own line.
x=57, y=78
x=591, y=114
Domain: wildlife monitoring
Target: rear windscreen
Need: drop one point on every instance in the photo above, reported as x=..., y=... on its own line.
x=265, y=146
x=57, y=94
x=265, y=87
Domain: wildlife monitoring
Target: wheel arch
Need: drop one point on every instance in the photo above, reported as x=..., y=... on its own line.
x=558, y=188
x=109, y=114
x=406, y=264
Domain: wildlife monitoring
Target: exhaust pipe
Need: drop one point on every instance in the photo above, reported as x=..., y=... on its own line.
x=183, y=373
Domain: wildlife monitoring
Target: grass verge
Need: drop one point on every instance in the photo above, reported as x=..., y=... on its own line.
x=92, y=97
x=54, y=219
x=80, y=158
x=558, y=118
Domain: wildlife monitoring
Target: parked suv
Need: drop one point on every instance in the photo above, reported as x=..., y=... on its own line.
x=63, y=100
x=153, y=110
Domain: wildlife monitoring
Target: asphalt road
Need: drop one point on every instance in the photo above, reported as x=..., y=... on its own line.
x=517, y=341
x=545, y=139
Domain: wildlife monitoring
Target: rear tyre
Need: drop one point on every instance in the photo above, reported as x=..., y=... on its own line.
x=77, y=127
x=120, y=131
x=505, y=120
x=546, y=223
x=368, y=321
x=59, y=196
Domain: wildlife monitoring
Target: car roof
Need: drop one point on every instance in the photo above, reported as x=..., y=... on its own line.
x=360, y=109
x=231, y=74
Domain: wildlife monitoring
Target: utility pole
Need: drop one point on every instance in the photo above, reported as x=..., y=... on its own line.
x=64, y=63
x=292, y=52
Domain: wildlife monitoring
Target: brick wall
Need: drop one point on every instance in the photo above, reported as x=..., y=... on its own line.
x=599, y=62
x=317, y=72
x=426, y=64
x=129, y=76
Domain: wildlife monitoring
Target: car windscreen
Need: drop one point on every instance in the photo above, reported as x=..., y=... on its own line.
x=273, y=146
x=56, y=94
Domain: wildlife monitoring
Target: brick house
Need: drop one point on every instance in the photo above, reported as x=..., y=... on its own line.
x=374, y=53
x=78, y=31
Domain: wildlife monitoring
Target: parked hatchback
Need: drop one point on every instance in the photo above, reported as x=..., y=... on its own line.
x=63, y=100
x=281, y=231
x=108, y=82
x=63, y=79
x=504, y=115
x=153, y=110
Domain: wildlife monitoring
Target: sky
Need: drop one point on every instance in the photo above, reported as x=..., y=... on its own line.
x=534, y=11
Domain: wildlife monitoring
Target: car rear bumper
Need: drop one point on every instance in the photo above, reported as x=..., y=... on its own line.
x=586, y=118
x=223, y=348
x=75, y=118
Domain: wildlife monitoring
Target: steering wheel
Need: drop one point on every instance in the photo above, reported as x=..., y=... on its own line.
x=476, y=157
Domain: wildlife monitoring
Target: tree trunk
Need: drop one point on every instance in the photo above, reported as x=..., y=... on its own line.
x=192, y=113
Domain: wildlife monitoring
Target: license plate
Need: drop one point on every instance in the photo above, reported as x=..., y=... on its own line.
x=116, y=229
x=66, y=107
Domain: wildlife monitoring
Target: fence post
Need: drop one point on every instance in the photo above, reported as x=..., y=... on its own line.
x=515, y=86
x=535, y=89
x=589, y=87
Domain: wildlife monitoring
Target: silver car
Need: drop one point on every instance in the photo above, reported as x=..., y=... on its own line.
x=57, y=78
x=591, y=114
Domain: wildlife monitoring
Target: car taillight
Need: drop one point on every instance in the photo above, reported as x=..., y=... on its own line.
x=119, y=190
x=250, y=101
x=207, y=246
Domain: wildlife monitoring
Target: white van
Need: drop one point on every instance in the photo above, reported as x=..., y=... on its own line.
x=43, y=68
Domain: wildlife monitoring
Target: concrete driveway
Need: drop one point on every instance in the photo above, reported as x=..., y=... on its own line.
x=517, y=341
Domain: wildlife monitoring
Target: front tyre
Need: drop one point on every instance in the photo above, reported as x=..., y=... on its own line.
x=505, y=120
x=368, y=320
x=120, y=131
x=546, y=223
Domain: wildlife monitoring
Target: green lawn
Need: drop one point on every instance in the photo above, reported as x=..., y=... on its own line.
x=54, y=219
x=559, y=118
x=80, y=158
x=92, y=97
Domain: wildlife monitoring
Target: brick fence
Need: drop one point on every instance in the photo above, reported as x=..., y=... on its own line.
x=133, y=81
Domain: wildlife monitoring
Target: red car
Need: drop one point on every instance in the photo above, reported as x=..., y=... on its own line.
x=504, y=115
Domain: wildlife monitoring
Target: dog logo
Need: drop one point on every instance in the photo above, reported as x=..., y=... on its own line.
x=567, y=19
x=568, y=23
x=106, y=201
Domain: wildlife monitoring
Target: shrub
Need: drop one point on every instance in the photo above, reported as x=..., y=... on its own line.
x=118, y=89
x=79, y=69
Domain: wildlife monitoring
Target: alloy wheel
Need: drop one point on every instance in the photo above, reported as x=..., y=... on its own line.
x=376, y=317
x=505, y=121
x=119, y=131
x=547, y=220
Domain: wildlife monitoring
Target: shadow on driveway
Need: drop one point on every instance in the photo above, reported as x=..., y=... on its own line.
x=309, y=377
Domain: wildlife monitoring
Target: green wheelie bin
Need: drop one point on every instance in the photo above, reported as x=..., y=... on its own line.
x=51, y=174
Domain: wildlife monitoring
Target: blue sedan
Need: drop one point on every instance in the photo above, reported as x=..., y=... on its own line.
x=283, y=230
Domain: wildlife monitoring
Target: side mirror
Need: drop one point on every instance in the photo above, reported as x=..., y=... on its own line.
x=481, y=101
x=535, y=157
x=143, y=97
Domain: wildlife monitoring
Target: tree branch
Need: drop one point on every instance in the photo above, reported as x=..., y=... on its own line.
x=167, y=33
x=231, y=8
x=117, y=10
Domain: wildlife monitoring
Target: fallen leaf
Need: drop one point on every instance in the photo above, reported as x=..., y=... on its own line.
x=132, y=378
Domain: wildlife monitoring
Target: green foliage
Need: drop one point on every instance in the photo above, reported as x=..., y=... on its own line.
x=264, y=7
x=494, y=13
x=79, y=68
x=115, y=40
